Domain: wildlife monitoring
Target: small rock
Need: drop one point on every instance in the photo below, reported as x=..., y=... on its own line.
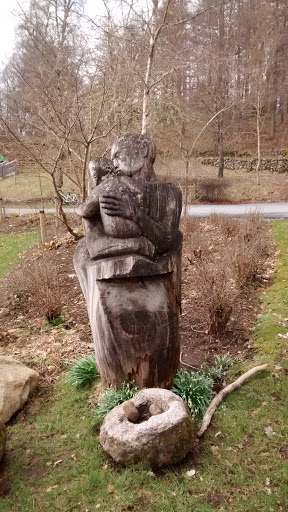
x=130, y=411
x=191, y=473
x=154, y=410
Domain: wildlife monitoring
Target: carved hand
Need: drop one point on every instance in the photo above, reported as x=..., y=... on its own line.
x=126, y=207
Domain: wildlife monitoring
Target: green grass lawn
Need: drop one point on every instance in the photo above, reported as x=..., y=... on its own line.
x=274, y=321
x=12, y=247
x=55, y=462
x=31, y=185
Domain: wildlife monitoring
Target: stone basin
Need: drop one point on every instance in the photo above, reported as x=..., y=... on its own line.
x=152, y=441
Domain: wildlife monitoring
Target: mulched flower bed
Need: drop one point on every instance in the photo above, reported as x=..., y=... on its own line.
x=25, y=335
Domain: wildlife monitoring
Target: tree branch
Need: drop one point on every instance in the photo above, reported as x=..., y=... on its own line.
x=223, y=393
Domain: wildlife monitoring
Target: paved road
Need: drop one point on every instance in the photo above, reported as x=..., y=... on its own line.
x=268, y=210
x=23, y=211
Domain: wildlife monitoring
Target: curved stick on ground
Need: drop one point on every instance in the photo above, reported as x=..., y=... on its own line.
x=223, y=393
x=186, y=364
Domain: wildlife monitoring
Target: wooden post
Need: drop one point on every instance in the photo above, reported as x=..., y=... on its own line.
x=2, y=211
x=57, y=211
x=42, y=226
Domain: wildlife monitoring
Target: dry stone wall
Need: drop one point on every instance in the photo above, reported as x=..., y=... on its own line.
x=268, y=164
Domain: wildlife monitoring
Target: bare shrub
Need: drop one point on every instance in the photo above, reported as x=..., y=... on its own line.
x=36, y=285
x=247, y=259
x=228, y=226
x=211, y=189
x=216, y=292
x=196, y=240
x=199, y=247
x=190, y=225
x=237, y=262
x=249, y=250
x=251, y=226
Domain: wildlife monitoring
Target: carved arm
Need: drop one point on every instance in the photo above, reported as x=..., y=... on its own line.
x=160, y=234
x=90, y=207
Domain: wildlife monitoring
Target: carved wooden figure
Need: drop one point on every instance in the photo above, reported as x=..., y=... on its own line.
x=128, y=265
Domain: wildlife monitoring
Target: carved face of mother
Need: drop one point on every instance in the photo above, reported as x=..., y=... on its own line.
x=133, y=155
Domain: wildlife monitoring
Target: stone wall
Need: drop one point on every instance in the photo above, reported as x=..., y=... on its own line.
x=268, y=164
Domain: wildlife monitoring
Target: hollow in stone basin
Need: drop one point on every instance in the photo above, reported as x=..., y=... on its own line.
x=153, y=440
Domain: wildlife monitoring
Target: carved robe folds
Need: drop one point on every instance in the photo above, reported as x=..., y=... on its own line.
x=133, y=297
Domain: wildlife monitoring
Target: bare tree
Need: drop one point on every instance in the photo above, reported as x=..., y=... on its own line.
x=63, y=99
x=179, y=69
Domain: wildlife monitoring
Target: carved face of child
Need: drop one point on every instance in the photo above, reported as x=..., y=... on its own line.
x=129, y=157
x=98, y=168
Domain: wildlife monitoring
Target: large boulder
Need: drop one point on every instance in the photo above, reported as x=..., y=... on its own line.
x=157, y=438
x=2, y=439
x=17, y=382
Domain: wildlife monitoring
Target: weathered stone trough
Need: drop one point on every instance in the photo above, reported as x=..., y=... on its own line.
x=159, y=435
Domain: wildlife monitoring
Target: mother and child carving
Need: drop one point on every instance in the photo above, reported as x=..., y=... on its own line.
x=129, y=266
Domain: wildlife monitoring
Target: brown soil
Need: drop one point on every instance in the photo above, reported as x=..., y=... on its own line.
x=25, y=335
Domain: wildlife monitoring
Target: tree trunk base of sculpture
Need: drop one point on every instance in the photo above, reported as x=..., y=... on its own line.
x=134, y=323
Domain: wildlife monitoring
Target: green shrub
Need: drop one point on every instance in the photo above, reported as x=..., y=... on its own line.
x=113, y=397
x=83, y=372
x=195, y=389
x=58, y=320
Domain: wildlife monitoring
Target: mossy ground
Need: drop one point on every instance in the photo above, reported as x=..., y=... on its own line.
x=54, y=461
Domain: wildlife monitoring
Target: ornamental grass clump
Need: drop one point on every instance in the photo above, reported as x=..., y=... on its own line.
x=113, y=397
x=196, y=389
x=83, y=372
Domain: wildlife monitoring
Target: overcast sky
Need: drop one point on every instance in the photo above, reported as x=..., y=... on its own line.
x=9, y=22
x=7, y=28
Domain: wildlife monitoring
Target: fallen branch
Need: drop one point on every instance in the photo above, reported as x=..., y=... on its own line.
x=223, y=393
x=186, y=364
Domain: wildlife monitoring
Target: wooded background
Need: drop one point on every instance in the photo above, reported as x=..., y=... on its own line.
x=200, y=77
